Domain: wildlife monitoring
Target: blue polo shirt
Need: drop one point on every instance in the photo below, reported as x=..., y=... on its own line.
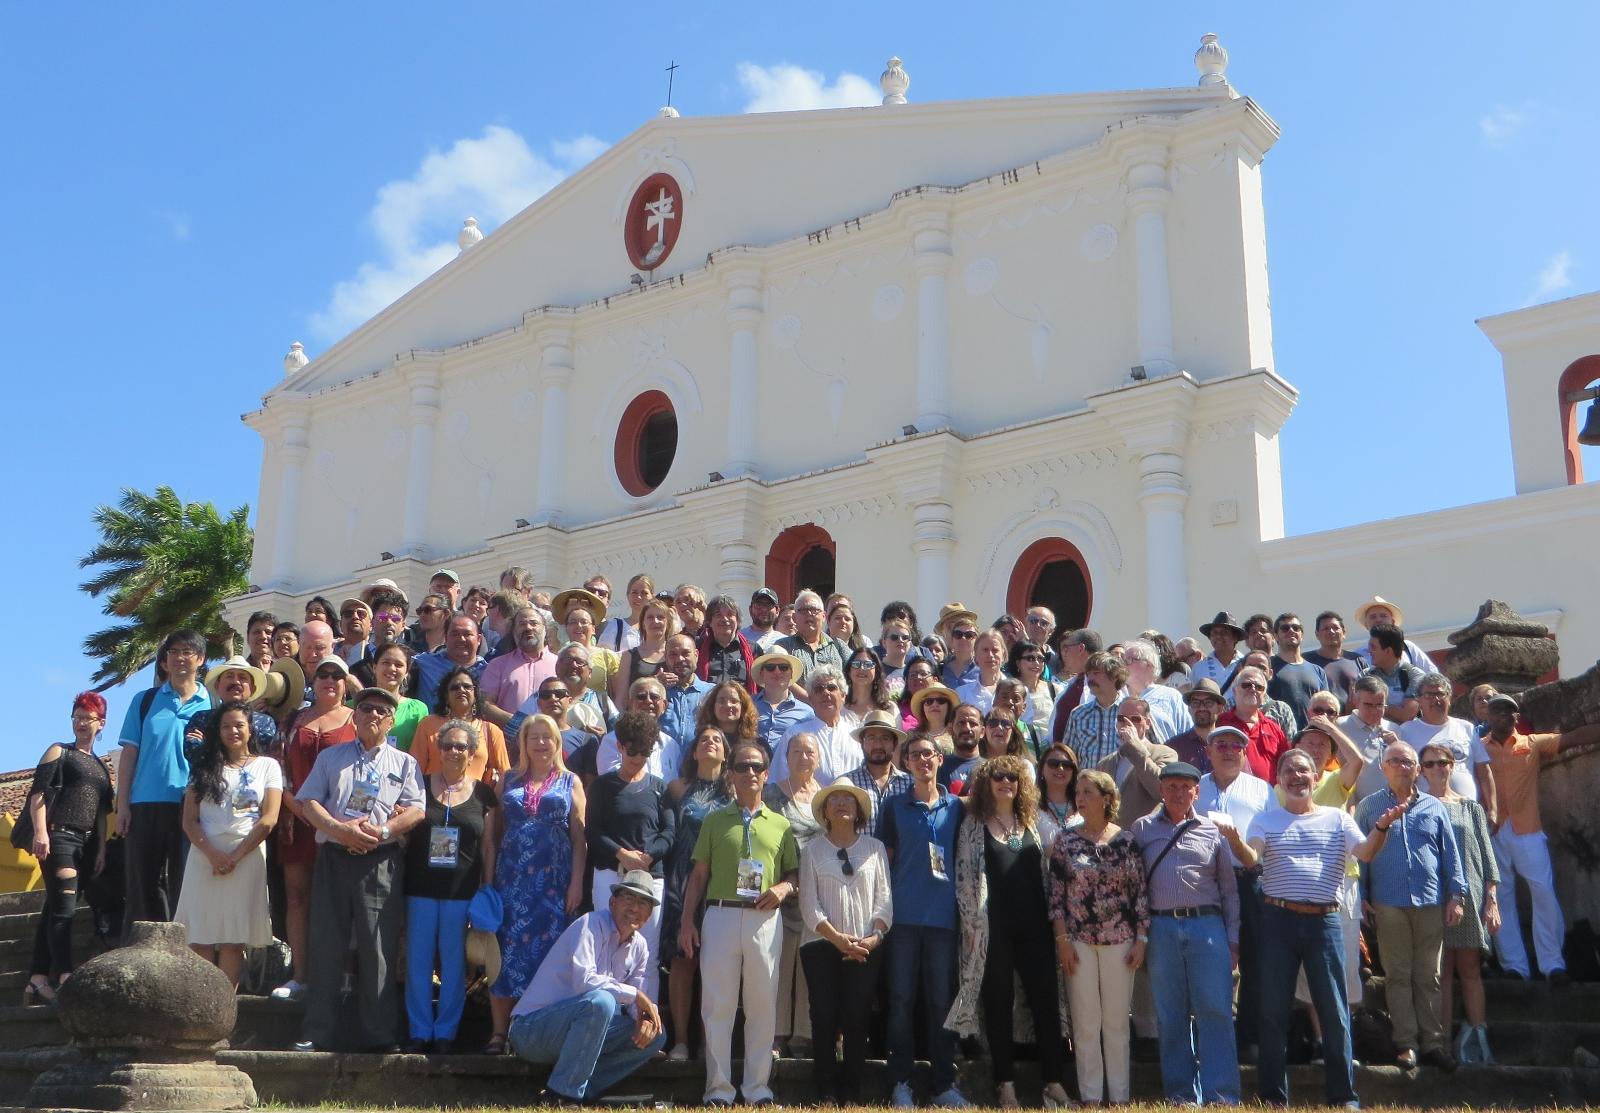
x=683, y=704
x=774, y=720
x=162, y=772
x=909, y=829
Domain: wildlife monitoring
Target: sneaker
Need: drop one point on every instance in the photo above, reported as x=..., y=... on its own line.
x=304, y=1045
x=902, y=1098
x=679, y=1053
x=290, y=990
x=951, y=1099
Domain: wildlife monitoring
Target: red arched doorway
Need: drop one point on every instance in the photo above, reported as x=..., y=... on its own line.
x=1052, y=573
x=801, y=557
x=1580, y=376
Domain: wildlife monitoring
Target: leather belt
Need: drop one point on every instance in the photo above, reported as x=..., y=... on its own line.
x=1300, y=907
x=730, y=904
x=1188, y=913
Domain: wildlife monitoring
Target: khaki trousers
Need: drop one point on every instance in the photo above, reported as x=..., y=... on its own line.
x=1410, y=942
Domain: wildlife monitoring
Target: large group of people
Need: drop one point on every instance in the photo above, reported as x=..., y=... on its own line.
x=971, y=836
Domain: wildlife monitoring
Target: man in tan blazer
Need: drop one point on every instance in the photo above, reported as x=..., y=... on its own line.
x=1137, y=764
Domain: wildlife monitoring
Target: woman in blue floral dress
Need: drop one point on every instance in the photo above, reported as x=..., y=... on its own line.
x=539, y=870
x=700, y=790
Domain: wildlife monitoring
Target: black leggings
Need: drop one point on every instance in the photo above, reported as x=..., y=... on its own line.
x=1032, y=957
x=841, y=1004
x=52, y=940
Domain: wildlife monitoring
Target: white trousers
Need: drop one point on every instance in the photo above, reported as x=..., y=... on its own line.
x=1100, y=995
x=603, y=880
x=1528, y=857
x=735, y=944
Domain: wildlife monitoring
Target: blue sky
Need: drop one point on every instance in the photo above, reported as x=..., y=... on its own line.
x=187, y=189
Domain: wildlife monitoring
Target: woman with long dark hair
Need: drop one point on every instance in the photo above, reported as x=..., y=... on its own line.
x=460, y=698
x=70, y=800
x=863, y=677
x=230, y=808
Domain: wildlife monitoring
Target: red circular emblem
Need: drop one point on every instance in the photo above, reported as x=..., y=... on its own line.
x=654, y=218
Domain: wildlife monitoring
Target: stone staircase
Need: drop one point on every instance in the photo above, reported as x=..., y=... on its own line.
x=1534, y=1032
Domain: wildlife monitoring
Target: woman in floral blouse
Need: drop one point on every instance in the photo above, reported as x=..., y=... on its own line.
x=1102, y=919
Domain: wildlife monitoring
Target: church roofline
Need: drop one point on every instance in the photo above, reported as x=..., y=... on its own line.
x=1541, y=322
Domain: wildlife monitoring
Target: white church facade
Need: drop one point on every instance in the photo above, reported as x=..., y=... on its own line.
x=980, y=351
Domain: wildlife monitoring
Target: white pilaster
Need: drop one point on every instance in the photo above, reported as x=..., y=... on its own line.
x=931, y=256
x=1148, y=199
x=293, y=413
x=730, y=513
x=556, y=371
x=744, y=309
x=922, y=471
x=1153, y=420
x=423, y=381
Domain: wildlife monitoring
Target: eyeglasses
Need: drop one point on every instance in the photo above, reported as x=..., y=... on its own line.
x=1400, y=762
x=1438, y=763
x=1036, y=658
x=329, y=674
x=963, y=634
x=554, y=693
x=998, y=721
x=774, y=666
x=1057, y=763
x=391, y=616
x=379, y=709
x=844, y=863
x=183, y=651
x=353, y=612
x=940, y=700
x=1287, y=626
x=1253, y=685
x=1038, y=620
x=640, y=751
x=453, y=747
x=602, y=592
x=861, y=664
x=830, y=686
x=1230, y=747
x=463, y=686
x=809, y=610
x=749, y=766
x=897, y=637
x=1003, y=778
x=921, y=755
x=429, y=608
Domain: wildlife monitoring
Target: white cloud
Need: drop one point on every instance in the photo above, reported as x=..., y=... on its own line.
x=415, y=219
x=1553, y=277
x=786, y=88
x=1502, y=122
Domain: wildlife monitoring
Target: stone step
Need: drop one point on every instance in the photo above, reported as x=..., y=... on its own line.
x=1509, y=999
x=294, y=1079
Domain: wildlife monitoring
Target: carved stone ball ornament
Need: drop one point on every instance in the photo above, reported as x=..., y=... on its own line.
x=653, y=221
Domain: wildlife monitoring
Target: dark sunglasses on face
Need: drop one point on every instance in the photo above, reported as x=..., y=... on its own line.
x=940, y=700
x=330, y=674
x=1230, y=747
x=1034, y=657
x=1003, y=778
x=861, y=664
x=749, y=766
x=1058, y=763
x=390, y=616
x=963, y=634
x=373, y=709
x=463, y=686
x=1253, y=685
x=997, y=721
x=897, y=637
x=1438, y=763
x=640, y=751
x=429, y=608
x=453, y=747
x=774, y=666
x=554, y=693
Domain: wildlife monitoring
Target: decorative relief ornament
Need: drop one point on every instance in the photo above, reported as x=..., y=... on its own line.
x=1098, y=243
x=653, y=221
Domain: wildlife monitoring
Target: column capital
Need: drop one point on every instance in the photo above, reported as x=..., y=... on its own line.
x=728, y=512
x=1151, y=417
x=746, y=292
x=922, y=468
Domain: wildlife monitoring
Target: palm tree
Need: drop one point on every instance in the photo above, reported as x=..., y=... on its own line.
x=167, y=565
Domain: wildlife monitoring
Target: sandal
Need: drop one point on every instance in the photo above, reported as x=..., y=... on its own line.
x=35, y=994
x=496, y=1044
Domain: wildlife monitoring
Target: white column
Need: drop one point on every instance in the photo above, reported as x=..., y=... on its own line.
x=424, y=384
x=931, y=257
x=1148, y=198
x=556, y=371
x=744, y=311
x=294, y=445
x=737, y=575
x=933, y=539
x=1163, y=496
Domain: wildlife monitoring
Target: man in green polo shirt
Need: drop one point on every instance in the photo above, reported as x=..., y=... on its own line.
x=745, y=864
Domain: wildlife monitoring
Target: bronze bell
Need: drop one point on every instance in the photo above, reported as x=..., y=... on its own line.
x=1590, y=433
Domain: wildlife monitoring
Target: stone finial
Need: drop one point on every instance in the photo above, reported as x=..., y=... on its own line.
x=1499, y=647
x=894, y=83
x=668, y=112
x=1212, y=61
x=296, y=358
x=470, y=233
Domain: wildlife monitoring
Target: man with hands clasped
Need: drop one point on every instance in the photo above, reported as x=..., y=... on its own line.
x=746, y=863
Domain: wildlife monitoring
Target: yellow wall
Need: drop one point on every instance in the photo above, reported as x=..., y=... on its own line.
x=19, y=870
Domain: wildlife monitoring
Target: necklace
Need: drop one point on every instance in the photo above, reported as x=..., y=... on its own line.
x=1011, y=834
x=1060, y=811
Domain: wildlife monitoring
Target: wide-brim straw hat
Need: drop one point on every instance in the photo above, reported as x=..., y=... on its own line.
x=285, y=688
x=577, y=596
x=878, y=719
x=933, y=690
x=950, y=612
x=819, y=802
x=236, y=663
x=796, y=666
x=483, y=949
x=1379, y=601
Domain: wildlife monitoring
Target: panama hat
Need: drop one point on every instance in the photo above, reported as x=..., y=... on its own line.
x=639, y=883
x=236, y=663
x=819, y=802
x=577, y=596
x=796, y=666
x=283, y=688
x=1379, y=601
x=483, y=949
x=933, y=690
x=950, y=612
x=878, y=719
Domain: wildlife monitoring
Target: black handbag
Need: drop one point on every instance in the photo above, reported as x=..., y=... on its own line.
x=22, y=830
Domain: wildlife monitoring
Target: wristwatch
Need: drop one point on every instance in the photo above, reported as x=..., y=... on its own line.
x=383, y=833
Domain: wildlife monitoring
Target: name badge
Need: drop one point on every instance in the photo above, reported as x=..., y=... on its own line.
x=444, y=847
x=752, y=874
x=363, y=795
x=936, y=862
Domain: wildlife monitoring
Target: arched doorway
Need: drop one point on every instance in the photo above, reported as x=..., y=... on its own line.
x=1582, y=375
x=1052, y=573
x=801, y=557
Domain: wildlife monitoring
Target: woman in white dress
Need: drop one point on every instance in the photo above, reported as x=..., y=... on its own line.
x=230, y=808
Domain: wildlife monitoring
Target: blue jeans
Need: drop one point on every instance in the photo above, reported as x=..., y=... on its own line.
x=924, y=956
x=1289, y=939
x=589, y=1039
x=1191, y=976
x=435, y=927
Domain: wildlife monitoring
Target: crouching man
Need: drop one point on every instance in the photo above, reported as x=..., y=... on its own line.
x=586, y=1011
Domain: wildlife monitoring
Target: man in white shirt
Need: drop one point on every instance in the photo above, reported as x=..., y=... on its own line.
x=1435, y=726
x=1370, y=732
x=832, y=725
x=762, y=633
x=649, y=696
x=1168, y=715
x=1231, y=792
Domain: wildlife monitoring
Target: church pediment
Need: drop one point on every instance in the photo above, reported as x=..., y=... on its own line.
x=662, y=201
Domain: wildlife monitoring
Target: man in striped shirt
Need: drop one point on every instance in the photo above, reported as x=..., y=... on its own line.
x=1092, y=728
x=1303, y=849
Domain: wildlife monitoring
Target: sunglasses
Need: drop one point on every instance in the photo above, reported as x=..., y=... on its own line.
x=429, y=608
x=749, y=766
x=1254, y=686
x=897, y=637
x=391, y=616
x=375, y=709
x=1036, y=658
x=940, y=700
x=352, y=613
x=828, y=687
x=844, y=863
x=1058, y=763
x=1003, y=778
x=463, y=687
x=963, y=634
x=330, y=674
x=554, y=693
x=453, y=747
x=998, y=721
x=1230, y=747
x=640, y=751
x=1438, y=763
x=863, y=665
x=774, y=666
